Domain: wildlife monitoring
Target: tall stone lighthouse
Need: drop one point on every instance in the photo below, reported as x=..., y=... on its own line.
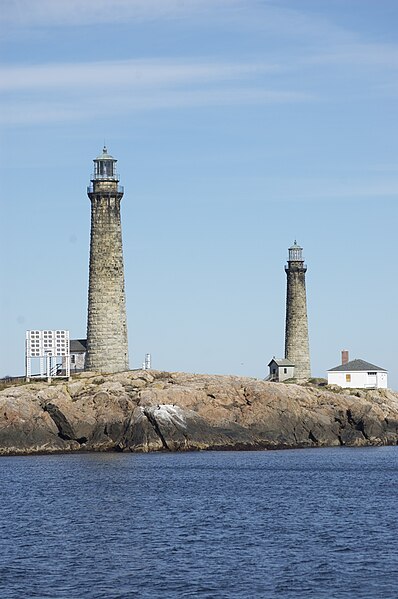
x=296, y=336
x=107, y=349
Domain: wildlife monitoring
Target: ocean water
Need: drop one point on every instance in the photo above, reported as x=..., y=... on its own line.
x=273, y=524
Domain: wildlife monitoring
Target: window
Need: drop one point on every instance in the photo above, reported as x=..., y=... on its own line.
x=73, y=359
x=285, y=371
x=372, y=373
x=348, y=378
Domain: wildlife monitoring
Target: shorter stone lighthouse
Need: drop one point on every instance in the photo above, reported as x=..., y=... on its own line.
x=296, y=335
x=107, y=349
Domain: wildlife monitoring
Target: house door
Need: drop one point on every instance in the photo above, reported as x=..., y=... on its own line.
x=372, y=379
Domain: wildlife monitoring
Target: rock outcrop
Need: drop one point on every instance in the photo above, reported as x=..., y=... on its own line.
x=152, y=410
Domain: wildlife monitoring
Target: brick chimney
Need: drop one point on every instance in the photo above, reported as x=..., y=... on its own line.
x=344, y=356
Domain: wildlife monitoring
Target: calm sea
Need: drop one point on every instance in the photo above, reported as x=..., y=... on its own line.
x=291, y=524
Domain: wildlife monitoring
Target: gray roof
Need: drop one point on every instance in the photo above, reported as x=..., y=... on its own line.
x=357, y=365
x=77, y=346
x=281, y=362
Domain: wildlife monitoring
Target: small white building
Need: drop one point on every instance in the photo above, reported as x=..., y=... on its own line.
x=280, y=369
x=358, y=374
x=78, y=349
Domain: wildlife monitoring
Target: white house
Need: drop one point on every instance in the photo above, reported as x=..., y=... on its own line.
x=280, y=369
x=358, y=374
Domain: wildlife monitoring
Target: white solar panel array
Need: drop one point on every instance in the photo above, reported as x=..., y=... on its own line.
x=52, y=349
x=41, y=343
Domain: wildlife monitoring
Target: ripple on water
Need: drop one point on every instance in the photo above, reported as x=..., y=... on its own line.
x=291, y=524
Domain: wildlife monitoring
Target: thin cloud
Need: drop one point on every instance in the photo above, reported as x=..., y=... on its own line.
x=359, y=54
x=391, y=167
x=64, y=92
x=126, y=73
x=319, y=190
x=28, y=112
x=82, y=12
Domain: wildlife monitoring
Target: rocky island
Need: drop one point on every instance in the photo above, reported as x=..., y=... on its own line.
x=143, y=411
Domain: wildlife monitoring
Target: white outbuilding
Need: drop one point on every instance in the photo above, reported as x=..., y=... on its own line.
x=358, y=374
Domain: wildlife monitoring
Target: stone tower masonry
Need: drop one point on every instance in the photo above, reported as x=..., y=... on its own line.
x=107, y=349
x=296, y=336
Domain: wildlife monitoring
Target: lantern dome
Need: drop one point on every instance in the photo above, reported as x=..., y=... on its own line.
x=105, y=155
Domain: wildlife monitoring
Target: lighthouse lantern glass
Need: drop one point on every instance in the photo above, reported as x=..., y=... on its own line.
x=104, y=169
x=296, y=253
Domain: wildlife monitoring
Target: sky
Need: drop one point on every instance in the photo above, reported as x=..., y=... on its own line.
x=239, y=126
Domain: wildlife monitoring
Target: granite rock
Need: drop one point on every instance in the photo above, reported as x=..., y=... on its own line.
x=162, y=411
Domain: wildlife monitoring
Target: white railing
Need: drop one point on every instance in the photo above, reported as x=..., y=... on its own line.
x=105, y=177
